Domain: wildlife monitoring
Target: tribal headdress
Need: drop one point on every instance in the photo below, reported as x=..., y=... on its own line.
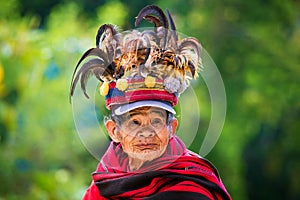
x=140, y=65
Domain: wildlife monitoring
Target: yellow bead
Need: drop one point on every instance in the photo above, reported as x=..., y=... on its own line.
x=122, y=84
x=104, y=89
x=150, y=81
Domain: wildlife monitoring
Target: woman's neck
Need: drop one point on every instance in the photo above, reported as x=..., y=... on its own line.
x=135, y=163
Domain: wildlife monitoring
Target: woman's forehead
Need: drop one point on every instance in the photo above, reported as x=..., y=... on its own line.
x=147, y=110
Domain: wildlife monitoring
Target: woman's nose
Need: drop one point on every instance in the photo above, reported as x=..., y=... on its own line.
x=146, y=132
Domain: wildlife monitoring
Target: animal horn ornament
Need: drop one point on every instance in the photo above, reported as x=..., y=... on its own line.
x=151, y=62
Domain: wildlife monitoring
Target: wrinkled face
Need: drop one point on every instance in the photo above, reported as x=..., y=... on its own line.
x=144, y=133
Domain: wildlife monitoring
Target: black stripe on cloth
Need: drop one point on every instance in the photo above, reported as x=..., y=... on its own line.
x=212, y=187
x=176, y=195
x=122, y=185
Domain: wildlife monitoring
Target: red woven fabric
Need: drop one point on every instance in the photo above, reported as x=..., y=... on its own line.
x=140, y=95
x=178, y=174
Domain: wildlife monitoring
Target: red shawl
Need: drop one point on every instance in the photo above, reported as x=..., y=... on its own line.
x=178, y=174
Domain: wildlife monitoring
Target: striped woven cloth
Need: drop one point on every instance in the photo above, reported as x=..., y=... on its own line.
x=178, y=174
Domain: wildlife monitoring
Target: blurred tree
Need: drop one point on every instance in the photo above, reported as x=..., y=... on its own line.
x=41, y=156
x=272, y=158
x=39, y=9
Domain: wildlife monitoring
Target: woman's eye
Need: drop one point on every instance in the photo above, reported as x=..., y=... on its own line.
x=134, y=123
x=157, y=122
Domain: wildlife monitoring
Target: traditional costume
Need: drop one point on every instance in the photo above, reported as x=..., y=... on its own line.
x=147, y=68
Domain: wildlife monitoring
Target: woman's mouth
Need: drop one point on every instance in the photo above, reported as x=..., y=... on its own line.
x=147, y=146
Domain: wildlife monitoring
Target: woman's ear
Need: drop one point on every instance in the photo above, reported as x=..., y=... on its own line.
x=173, y=125
x=111, y=128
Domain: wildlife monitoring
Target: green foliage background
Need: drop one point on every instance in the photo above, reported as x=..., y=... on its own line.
x=255, y=45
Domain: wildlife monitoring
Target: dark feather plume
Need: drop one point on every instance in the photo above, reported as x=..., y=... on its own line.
x=91, y=52
x=153, y=19
x=152, y=10
x=174, y=36
x=191, y=43
x=173, y=27
x=192, y=68
x=102, y=30
x=86, y=70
